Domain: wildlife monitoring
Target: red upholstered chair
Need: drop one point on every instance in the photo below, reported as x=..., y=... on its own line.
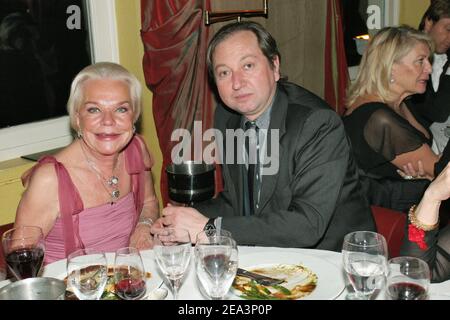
x=391, y=224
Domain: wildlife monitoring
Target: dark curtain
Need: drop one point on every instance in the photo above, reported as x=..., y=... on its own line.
x=175, y=43
x=336, y=72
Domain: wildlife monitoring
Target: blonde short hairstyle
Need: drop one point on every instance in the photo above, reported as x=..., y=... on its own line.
x=387, y=47
x=103, y=70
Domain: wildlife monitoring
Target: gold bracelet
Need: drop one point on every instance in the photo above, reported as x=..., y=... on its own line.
x=415, y=222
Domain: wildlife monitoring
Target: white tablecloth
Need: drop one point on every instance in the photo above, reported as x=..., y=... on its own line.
x=190, y=289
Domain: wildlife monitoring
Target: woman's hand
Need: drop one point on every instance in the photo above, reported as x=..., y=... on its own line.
x=410, y=173
x=142, y=237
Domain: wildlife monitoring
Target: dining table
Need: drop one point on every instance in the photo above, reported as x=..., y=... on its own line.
x=332, y=283
x=336, y=280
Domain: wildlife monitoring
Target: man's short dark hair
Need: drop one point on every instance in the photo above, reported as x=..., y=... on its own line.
x=437, y=10
x=266, y=42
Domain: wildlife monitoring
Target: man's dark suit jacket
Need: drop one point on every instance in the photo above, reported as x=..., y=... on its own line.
x=315, y=199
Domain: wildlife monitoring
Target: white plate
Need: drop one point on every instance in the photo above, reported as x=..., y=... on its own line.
x=330, y=282
x=58, y=270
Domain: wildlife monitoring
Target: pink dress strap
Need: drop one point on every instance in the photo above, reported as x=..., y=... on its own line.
x=70, y=202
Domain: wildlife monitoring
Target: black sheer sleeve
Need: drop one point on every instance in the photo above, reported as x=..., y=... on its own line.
x=437, y=255
x=390, y=135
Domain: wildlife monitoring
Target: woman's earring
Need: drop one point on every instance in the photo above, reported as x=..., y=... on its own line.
x=134, y=128
x=79, y=134
x=392, y=80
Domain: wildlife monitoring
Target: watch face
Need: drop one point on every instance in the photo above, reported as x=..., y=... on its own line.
x=209, y=230
x=210, y=226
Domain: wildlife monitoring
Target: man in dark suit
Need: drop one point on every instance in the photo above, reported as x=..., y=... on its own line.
x=302, y=187
x=433, y=107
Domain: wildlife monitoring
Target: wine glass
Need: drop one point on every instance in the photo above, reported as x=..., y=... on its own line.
x=24, y=251
x=203, y=235
x=129, y=274
x=408, y=279
x=216, y=264
x=172, y=248
x=87, y=273
x=213, y=232
x=365, y=262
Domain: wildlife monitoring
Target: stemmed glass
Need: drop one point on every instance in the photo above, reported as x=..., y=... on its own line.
x=216, y=263
x=24, y=251
x=365, y=262
x=408, y=279
x=213, y=232
x=172, y=248
x=129, y=274
x=87, y=273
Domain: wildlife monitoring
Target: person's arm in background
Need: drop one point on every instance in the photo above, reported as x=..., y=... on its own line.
x=141, y=237
x=398, y=141
x=423, y=154
x=432, y=245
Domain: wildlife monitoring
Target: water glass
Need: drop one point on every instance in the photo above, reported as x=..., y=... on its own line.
x=172, y=248
x=213, y=232
x=129, y=274
x=365, y=262
x=216, y=264
x=24, y=251
x=408, y=279
x=87, y=273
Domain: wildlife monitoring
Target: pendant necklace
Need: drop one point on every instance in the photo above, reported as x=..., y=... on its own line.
x=111, y=184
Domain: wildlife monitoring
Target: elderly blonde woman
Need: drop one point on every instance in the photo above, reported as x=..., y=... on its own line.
x=385, y=134
x=386, y=137
x=98, y=191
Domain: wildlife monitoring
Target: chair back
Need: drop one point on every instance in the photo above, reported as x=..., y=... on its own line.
x=391, y=224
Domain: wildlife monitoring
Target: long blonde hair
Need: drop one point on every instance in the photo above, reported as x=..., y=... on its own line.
x=387, y=47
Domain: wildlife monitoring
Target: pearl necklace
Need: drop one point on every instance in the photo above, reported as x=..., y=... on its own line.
x=112, y=182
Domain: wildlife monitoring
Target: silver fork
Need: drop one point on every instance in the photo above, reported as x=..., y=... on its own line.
x=261, y=279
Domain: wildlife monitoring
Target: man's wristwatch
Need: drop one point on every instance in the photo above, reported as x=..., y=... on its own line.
x=210, y=225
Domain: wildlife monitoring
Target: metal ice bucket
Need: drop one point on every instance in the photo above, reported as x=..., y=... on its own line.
x=34, y=289
x=190, y=182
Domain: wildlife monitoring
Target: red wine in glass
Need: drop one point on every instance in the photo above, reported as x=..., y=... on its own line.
x=407, y=291
x=130, y=289
x=24, y=250
x=25, y=262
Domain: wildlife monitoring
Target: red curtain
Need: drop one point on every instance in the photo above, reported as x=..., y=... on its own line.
x=336, y=72
x=175, y=43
